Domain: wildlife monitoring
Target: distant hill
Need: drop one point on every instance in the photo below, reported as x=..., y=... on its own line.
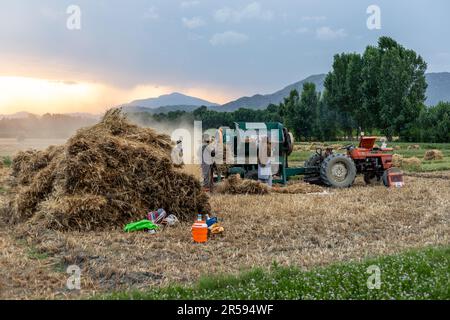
x=173, y=99
x=84, y=115
x=17, y=115
x=438, y=90
x=438, y=87
x=260, y=101
x=163, y=109
x=27, y=125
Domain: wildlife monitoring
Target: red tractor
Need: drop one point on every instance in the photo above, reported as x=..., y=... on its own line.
x=339, y=170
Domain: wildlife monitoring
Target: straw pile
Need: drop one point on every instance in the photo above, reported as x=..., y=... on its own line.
x=397, y=160
x=235, y=185
x=103, y=177
x=433, y=155
x=412, y=163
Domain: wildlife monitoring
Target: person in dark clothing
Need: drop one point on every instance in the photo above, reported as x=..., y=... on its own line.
x=207, y=164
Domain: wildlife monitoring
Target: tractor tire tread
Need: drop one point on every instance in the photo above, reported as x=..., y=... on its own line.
x=325, y=164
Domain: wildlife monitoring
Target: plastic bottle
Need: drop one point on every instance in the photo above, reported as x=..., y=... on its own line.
x=200, y=230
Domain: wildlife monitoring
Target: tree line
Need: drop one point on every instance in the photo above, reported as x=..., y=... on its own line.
x=46, y=126
x=380, y=92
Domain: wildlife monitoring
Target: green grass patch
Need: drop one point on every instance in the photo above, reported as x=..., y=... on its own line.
x=298, y=157
x=7, y=161
x=418, y=274
x=36, y=255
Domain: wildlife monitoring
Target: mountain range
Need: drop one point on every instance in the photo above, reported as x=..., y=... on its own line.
x=173, y=99
x=438, y=90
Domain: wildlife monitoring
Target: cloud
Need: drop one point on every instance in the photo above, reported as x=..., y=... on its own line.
x=51, y=14
x=228, y=38
x=252, y=11
x=314, y=18
x=189, y=4
x=151, y=14
x=193, y=23
x=195, y=36
x=326, y=33
x=302, y=30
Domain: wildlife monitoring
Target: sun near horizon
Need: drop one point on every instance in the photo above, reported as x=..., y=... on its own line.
x=41, y=95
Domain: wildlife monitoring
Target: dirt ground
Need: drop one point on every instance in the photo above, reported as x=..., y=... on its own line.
x=304, y=230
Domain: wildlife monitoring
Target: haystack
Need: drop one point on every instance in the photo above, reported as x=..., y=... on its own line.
x=397, y=160
x=235, y=185
x=412, y=163
x=433, y=155
x=103, y=177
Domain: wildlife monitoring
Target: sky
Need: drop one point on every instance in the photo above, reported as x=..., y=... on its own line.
x=62, y=56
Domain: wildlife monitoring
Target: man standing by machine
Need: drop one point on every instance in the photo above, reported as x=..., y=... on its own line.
x=208, y=153
x=177, y=153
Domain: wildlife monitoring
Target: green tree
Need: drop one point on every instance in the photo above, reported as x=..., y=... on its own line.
x=433, y=124
x=327, y=122
x=299, y=112
x=344, y=91
x=289, y=109
x=402, y=87
x=308, y=111
x=370, y=85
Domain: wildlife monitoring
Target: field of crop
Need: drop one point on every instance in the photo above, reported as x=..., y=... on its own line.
x=281, y=236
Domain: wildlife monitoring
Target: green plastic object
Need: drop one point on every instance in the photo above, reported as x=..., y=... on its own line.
x=140, y=225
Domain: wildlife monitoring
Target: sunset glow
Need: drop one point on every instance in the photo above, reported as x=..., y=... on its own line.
x=42, y=95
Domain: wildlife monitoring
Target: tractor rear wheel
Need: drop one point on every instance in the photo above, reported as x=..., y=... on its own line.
x=338, y=171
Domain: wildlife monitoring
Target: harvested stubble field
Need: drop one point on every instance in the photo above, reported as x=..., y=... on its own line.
x=303, y=230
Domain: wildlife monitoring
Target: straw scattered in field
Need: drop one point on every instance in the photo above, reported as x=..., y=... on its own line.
x=235, y=185
x=298, y=188
x=304, y=230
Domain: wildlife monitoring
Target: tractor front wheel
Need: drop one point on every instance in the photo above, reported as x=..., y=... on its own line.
x=313, y=161
x=338, y=171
